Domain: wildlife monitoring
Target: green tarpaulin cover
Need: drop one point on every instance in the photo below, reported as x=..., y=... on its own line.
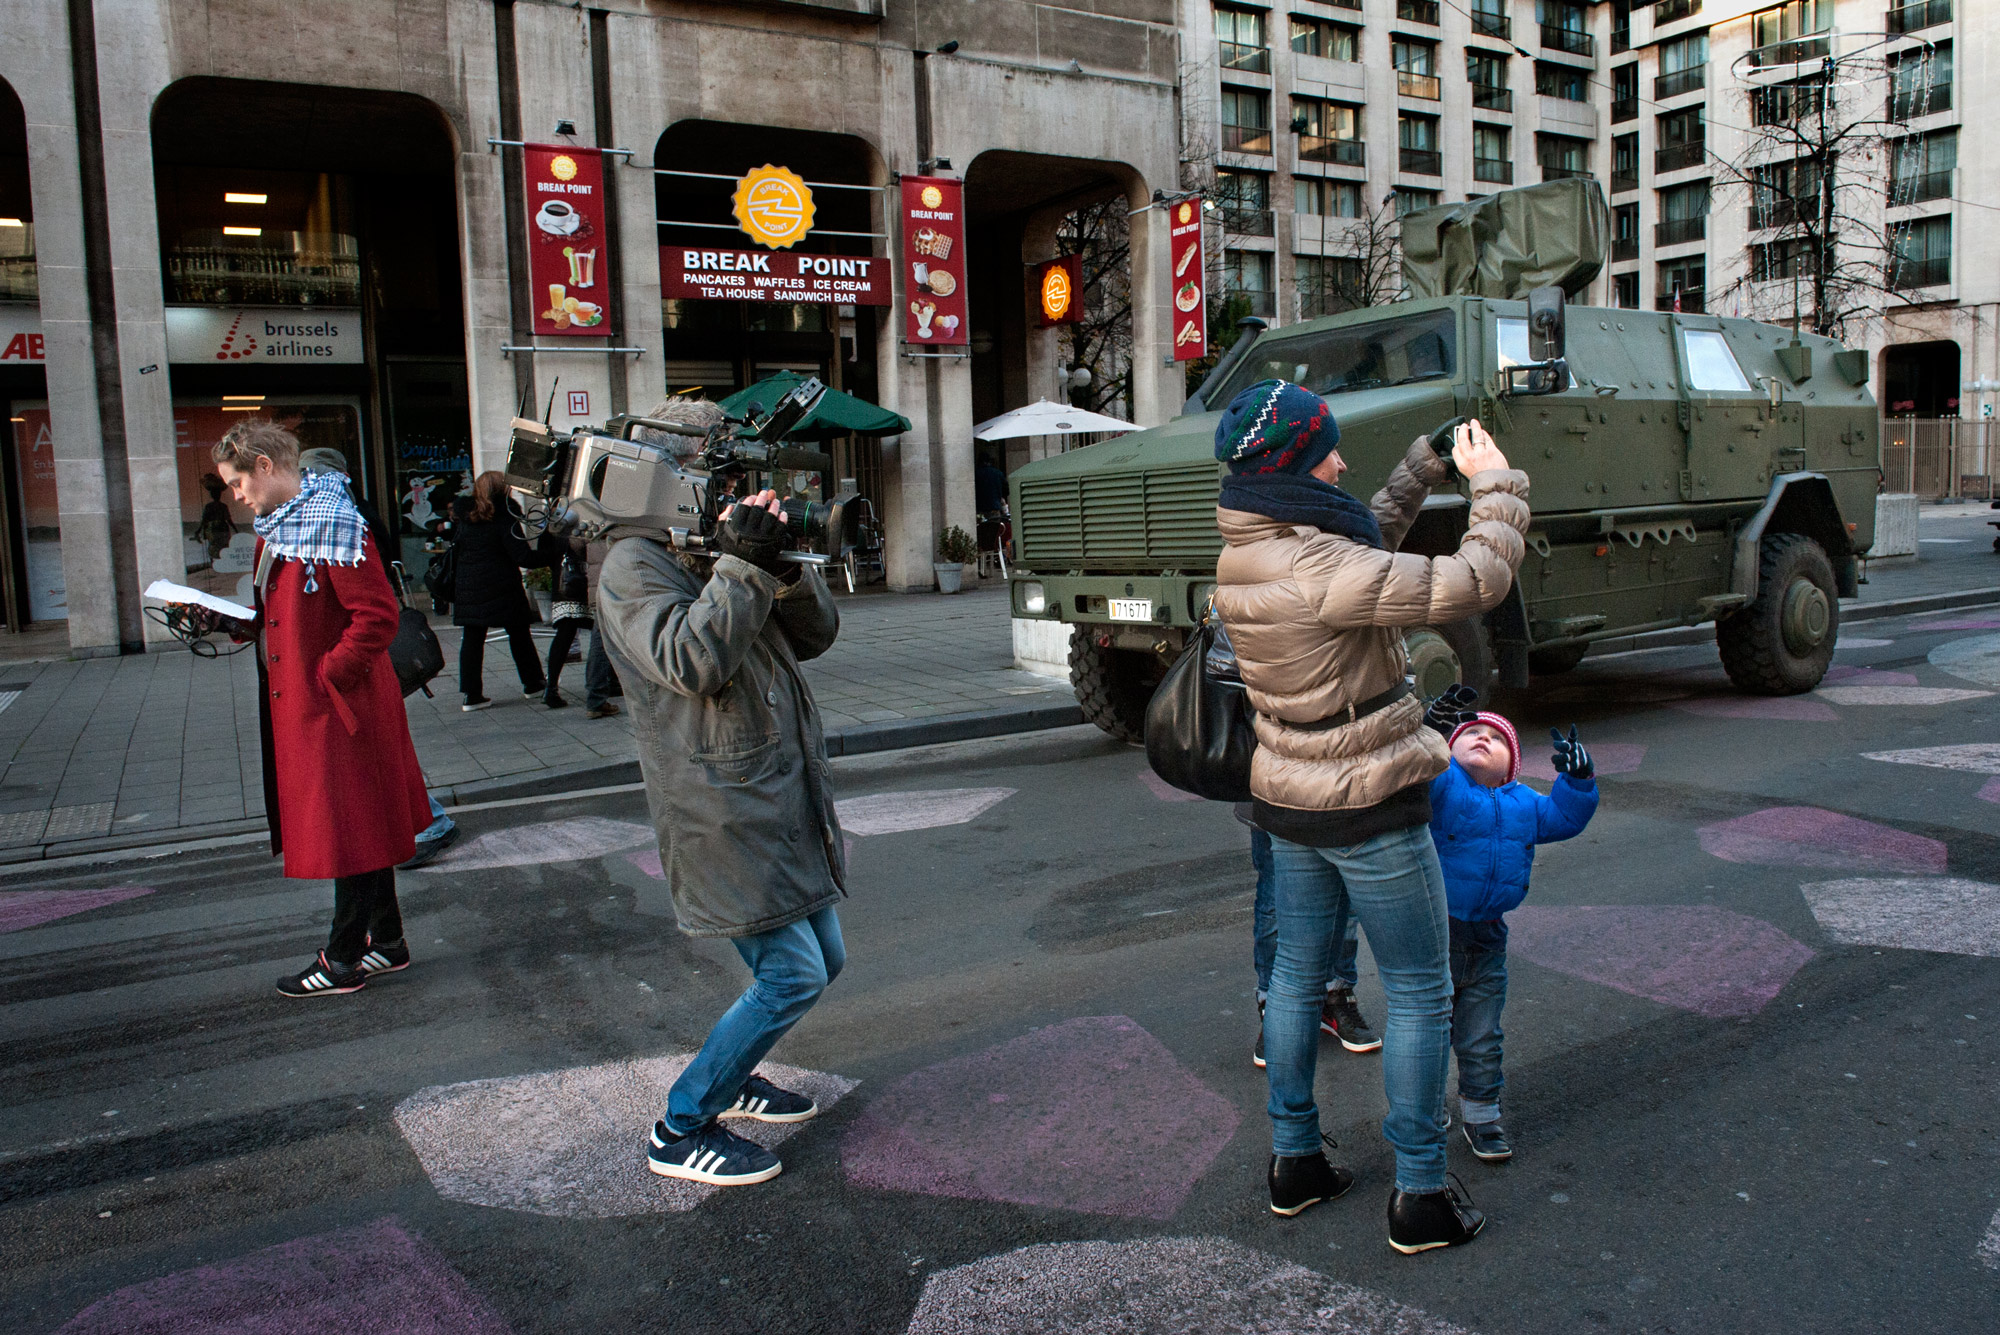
x=1506, y=244
x=836, y=414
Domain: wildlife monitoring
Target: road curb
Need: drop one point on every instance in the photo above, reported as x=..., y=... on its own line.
x=1850, y=612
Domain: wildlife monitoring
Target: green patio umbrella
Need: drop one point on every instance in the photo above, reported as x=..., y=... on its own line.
x=836, y=414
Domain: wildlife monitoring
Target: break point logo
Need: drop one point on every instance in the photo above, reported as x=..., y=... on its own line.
x=932, y=196
x=774, y=206
x=1055, y=292
x=563, y=167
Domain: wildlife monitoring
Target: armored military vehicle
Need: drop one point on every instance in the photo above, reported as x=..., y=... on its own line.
x=1685, y=468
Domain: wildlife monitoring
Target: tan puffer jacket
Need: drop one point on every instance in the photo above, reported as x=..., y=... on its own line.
x=1317, y=622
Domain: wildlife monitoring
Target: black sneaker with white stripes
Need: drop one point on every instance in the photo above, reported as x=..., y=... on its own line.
x=763, y=1101
x=323, y=978
x=385, y=959
x=713, y=1154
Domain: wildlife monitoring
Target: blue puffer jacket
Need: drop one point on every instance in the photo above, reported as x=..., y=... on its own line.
x=1486, y=837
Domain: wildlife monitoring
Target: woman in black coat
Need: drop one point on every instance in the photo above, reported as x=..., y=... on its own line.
x=489, y=555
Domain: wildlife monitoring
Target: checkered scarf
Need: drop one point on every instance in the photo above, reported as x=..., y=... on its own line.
x=319, y=525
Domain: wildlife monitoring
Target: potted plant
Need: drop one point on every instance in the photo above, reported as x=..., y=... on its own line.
x=955, y=550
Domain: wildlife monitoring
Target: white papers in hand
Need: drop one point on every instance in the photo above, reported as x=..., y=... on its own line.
x=166, y=591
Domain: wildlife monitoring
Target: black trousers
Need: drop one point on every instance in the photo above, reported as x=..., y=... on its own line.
x=472, y=661
x=364, y=910
x=600, y=683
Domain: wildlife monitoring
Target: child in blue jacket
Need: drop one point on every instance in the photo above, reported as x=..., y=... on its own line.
x=1486, y=827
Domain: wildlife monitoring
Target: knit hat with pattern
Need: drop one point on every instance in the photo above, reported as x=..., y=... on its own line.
x=1506, y=731
x=1275, y=427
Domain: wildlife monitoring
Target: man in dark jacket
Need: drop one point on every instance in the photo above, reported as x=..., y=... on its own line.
x=736, y=776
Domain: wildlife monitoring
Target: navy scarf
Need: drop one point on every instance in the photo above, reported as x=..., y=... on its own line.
x=1292, y=499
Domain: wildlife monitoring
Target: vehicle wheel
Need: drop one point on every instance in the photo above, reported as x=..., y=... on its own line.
x=1114, y=686
x=1554, y=662
x=1782, y=643
x=1444, y=655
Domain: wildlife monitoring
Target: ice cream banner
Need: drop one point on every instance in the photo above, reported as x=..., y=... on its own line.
x=933, y=265
x=570, y=294
x=1190, y=305
x=1059, y=290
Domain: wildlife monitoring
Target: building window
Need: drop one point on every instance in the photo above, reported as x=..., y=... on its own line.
x=1625, y=93
x=1240, y=42
x=1916, y=15
x=1416, y=68
x=1418, y=11
x=1568, y=82
x=1327, y=40
x=1410, y=201
x=1621, y=26
x=1417, y=145
x=1492, y=156
x=1625, y=232
x=1673, y=11
x=304, y=250
x=1920, y=82
x=1682, y=139
x=1683, y=214
x=1788, y=33
x=1244, y=199
x=1789, y=258
x=1487, y=73
x=1328, y=132
x=1489, y=19
x=1624, y=163
x=1565, y=27
x=1561, y=156
x=1923, y=253
x=1783, y=194
x=1683, y=65
x=1625, y=291
x=1683, y=284
x=1325, y=198
x=1921, y=167
x=1326, y=284
x=1247, y=274
x=1246, y=120
x=1783, y=103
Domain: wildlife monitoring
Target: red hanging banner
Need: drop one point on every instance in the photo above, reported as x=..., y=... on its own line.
x=1059, y=290
x=568, y=291
x=1190, y=313
x=933, y=272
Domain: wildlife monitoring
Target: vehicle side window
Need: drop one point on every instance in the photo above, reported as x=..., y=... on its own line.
x=1711, y=365
x=1513, y=342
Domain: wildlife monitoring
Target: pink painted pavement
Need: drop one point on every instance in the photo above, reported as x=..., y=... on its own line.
x=1990, y=791
x=1812, y=837
x=1608, y=757
x=1093, y=1114
x=31, y=908
x=1698, y=958
x=1790, y=708
x=376, y=1277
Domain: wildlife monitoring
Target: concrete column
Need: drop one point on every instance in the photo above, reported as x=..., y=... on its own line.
x=489, y=375
x=1158, y=386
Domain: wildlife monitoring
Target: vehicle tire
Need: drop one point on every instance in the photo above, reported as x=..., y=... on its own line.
x=1456, y=651
x=1782, y=643
x=1113, y=686
x=1554, y=662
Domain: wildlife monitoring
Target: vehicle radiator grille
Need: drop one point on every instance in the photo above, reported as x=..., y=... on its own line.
x=1163, y=518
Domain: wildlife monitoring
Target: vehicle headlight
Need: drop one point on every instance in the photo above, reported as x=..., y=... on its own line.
x=1034, y=599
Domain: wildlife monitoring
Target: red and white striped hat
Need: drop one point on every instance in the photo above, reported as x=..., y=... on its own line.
x=1506, y=730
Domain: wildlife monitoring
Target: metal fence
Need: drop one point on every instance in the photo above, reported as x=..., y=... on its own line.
x=1940, y=458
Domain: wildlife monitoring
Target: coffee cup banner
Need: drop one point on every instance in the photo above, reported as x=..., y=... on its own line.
x=932, y=275
x=571, y=296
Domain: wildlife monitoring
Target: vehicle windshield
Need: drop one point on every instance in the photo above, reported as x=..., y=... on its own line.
x=1398, y=351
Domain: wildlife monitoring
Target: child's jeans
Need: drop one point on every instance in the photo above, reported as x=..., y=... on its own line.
x=1479, y=993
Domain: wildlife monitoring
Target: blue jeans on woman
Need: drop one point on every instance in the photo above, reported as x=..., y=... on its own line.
x=1479, y=994
x=790, y=966
x=1264, y=925
x=1393, y=884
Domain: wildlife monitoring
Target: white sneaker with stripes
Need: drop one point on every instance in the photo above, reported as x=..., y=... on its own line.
x=712, y=1154
x=762, y=1101
x=323, y=978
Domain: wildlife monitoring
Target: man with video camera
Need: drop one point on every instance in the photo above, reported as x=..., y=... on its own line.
x=736, y=777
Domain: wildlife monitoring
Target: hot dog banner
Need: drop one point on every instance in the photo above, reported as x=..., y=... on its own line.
x=1059, y=290
x=566, y=252
x=933, y=265
x=1190, y=304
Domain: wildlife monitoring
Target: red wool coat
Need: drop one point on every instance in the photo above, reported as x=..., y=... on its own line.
x=342, y=787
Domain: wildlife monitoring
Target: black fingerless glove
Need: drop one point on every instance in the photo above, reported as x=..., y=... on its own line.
x=1458, y=704
x=1570, y=757
x=752, y=533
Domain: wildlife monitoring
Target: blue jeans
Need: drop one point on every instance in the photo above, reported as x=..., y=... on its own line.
x=1264, y=944
x=600, y=682
x=440, y=823
x=789, y=966
x=1394, y=885
x=1479, y=993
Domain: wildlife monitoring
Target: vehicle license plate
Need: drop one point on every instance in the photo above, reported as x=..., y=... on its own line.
x=1131, y=609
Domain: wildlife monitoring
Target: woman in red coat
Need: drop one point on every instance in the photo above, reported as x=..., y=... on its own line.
x=342, y=789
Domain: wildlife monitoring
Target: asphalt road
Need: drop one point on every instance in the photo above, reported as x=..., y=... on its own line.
x=1752, y=1041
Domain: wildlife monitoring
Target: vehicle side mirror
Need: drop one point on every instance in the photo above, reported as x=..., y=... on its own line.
x=1550, y=377
x=1545, y=324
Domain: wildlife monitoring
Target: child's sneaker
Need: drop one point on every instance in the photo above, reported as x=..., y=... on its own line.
x=323, y=978
x=711, y=1153
x=1342, y=1018
x=1488, y=1141
x=762, y=1101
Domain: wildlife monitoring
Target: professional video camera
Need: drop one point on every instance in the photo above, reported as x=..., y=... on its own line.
x=596, y=481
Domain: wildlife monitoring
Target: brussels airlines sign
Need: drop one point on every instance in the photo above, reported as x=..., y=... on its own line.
x=762, y=275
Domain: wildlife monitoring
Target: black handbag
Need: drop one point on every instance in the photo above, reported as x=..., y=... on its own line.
x=415, y=652
x=441, y=576
x=1198, y=732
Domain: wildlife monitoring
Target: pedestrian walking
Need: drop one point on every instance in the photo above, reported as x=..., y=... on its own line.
x=600, y=679
x=1341, y=1016
x=1486, y=826
x=573, y=612
x=342, y=790
x=734, y=759
x=490, y=555
x=1316, y=596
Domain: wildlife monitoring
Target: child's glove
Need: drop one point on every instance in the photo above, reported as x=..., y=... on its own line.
x=1458, y=704
x=1570, y=757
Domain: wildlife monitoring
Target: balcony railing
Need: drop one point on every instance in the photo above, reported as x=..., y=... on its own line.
x=1487, y=98
x=1915, y=189
x=1491, y=25
x=1676, y=157
x=1679, y=231
x=1420, y=161
x=1933, y=272
x=1673, y=11
x=1419, y=85
x=1785, y=102
x=1246, y=138
x=1624, y=109
x=1625, y=248
x=1621, y=37
x=1791, y=53
x=1417, y=11
x=1342, y=152
x=1783, y=213
x=1241, y=56
x=1919, y=15
x=1247, y=222
x=1680, y=81
x=1907, y=103
x=1497, y=170
x=1568, y=40
x=1620, y=184
x=1691, y=299
x=1252, y=303
x=1345, y=4
x=1551, y=172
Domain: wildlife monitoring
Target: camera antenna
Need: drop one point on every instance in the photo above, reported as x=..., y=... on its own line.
x=547, y=416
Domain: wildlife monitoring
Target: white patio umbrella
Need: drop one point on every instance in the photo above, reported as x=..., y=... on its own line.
x=1043, y=418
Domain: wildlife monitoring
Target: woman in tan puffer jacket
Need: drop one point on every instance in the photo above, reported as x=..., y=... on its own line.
x=1316, y=597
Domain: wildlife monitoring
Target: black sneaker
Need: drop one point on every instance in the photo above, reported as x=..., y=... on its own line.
x=385, y=959
x=474, y=703
x=1445, y=1218
x=323, y=978
x=554, y=701
x=713, y=1154
x=1257, y=1053
x=1306, y=1180
x=429, y=849
x=1488, y=1141
x=1342, y=1018
x=762, y=1101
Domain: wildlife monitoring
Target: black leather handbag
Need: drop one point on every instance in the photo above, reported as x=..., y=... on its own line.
x=441, y=576
x=415, y=652
x=1198, y=732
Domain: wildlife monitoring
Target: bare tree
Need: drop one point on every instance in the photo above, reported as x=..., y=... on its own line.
x=1100, y=341
x=1363, y=267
